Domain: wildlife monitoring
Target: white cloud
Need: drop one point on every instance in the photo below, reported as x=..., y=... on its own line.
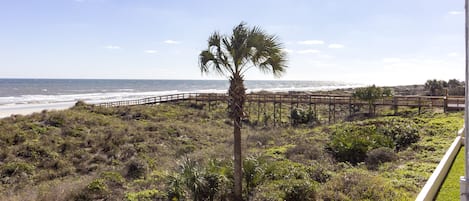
x=311, y=42
x=336, y=46
x=172, y=42
x=325, y=56
x=455, y=12
x=453, y=54
x=308, y=51
x=391, y=60
x=113, y=47
x=287, y=50
x=150, y=51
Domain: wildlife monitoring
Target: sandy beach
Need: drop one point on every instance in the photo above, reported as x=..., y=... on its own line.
x=25, y=109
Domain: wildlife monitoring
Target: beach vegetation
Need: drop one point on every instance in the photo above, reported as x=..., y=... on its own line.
x=371, y=94
x=133, y=153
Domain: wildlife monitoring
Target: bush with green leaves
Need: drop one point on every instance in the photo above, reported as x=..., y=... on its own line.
x=16, y=168
x=303, y=152
x=203, y=184
x=145, y=195
x=351, y=141
x=371, y=94
x=95, y=190
x=300, y=116
x=136, y=168
x=319, y=172
x=299, y=190
x=403, y=132
x=378, y=156
x=175, y=187
x=253, y=173
x=357, y=184
x=109, y=184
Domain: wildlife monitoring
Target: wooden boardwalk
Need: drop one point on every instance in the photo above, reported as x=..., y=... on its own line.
x=447, y=103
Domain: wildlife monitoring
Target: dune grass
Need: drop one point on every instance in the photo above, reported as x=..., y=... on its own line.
x=136, y=153
x=450, y=188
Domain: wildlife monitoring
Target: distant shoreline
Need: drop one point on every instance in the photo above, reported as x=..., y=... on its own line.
x=26, y=109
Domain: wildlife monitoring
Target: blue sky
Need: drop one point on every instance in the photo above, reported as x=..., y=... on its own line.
x=361, y=41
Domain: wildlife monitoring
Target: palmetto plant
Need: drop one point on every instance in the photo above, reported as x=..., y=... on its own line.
x=192, y=177
x=232, y=56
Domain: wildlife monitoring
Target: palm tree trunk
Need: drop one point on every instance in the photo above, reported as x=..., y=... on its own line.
x=238, y=172
x=237, y=93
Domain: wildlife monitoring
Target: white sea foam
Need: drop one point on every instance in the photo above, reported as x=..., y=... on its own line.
x=27, y=96
x=129, y=94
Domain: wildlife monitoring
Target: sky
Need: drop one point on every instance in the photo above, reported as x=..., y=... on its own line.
x=361, y=41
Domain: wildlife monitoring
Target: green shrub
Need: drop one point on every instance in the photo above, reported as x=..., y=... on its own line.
x=351, y=142
x=299, y=116
x=203, y=183
x=378, y=156
x=304, y=151
x=358, y=184
x=114, y=179
x=136, y=168
x=299, y=190
x=253, y=173
x=192, y=176
x=95, y=190
x=284, y=170
x=97, y=185
x=34, y=151
x=175, y=188
x=145, y=195
x=56, y=119
x=213, y=183
x=403, y=132
x=16, y=168
x=319, y=172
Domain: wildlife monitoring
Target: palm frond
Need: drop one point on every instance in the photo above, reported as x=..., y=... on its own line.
x=244, y=48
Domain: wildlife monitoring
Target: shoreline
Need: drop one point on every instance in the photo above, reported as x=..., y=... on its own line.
x=27, y=109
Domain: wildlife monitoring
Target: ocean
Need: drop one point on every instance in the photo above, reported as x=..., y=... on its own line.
x=16, y=92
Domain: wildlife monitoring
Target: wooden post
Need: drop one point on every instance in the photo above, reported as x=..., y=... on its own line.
x=420, y=105
x=445, y=104
x=395, y=105
x=350, y=106
x=280, y=111
x=275, y=120
x=329, y=114
x=265, y=111
x=297, y=97
x=315, y=112
x=258, y=110
x=333, y=111
x=291, y=109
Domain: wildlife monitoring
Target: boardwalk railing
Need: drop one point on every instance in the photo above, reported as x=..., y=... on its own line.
x=149, y=100
x=396, y=101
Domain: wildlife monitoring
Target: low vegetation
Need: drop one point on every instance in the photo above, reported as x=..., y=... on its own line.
x=184, y=152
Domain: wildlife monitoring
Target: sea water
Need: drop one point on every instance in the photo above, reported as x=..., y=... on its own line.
x=15, y=92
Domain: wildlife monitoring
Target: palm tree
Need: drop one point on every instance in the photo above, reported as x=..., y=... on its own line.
x=232, y=56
